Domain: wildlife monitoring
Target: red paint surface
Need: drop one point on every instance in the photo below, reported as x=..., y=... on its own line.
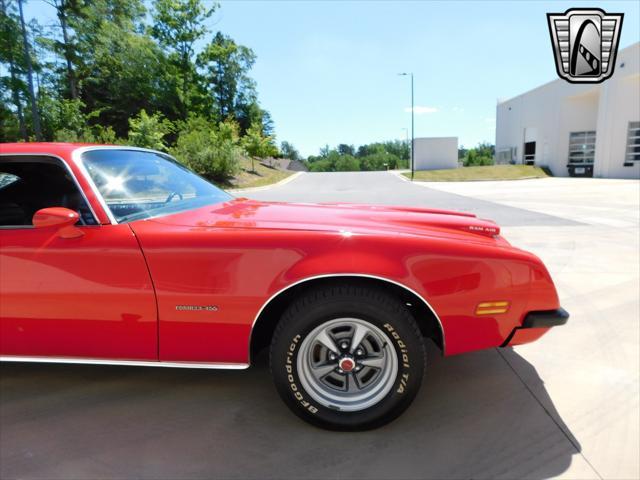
x=92, y=296
x=89, y=296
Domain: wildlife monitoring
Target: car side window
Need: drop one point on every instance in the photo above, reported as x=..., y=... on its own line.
x=30, y=184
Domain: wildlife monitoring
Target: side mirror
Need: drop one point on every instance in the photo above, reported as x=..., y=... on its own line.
x=59, y=218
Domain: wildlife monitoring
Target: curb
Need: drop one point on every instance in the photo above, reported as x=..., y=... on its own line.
x=400, y=175
x=284, y=181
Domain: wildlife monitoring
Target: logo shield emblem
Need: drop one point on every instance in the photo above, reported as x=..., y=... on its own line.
x=585, y=43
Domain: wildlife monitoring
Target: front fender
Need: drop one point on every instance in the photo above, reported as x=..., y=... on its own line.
x=237, y=271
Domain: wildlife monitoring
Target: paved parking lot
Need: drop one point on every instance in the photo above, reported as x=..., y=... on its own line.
x=566, y=406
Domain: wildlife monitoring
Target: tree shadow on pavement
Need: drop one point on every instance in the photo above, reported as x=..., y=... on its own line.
x=474, y=418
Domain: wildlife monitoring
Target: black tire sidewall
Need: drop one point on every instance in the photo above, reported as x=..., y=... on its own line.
x=386, y=313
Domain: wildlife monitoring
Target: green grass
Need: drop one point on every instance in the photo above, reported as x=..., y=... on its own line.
x=469, y=174
x=263, y=175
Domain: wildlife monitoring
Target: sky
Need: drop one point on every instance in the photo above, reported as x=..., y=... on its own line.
x=327, y=71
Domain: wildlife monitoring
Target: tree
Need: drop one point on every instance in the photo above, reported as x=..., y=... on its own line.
x=148, y=131
x=373, y=156
x=35, y=115
x=258, y=145
x=225, y=66
x=9, y=127
x=486, y=149
x=397, y=148
x=347, y=163
x=64, y=119
x=321, y=165
x=268, y=127
x=370, y=149
x=380, y=161
x=481, y=155
x=10, y=54
x=344, y=149
x=249, y=114
x=287, y=150
x=100, y=72
x=125, y=75
x=178, y=25
x=114, y=67
x=325, y=151
x=65, y=47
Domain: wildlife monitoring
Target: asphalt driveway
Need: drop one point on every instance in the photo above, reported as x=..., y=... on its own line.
x=566, y=406
x=386, y=189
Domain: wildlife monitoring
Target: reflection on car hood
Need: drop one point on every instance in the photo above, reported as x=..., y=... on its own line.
x=338, y=217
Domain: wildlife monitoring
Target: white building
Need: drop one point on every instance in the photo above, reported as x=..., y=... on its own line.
x=435, y=153
x=577, y=129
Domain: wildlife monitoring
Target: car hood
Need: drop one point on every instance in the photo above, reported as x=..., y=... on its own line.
x=335, y=217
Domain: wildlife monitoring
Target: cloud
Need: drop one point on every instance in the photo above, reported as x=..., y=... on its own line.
x=457, y=109
x=421, y=110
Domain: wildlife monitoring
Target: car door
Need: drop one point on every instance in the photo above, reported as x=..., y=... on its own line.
x=87, y=296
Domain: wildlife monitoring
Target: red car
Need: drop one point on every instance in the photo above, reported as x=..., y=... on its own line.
x=121, y=256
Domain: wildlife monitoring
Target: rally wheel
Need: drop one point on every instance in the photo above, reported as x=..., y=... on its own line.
x=347, y=357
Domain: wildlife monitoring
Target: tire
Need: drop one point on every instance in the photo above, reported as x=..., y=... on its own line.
x=359, y=387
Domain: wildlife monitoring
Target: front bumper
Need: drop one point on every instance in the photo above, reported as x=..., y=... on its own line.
x=536, y=324
x=545, y=319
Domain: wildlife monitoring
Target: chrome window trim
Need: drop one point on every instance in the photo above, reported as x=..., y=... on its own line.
x=128, y=363
x=68, y=169
x=76, y=156
x=346, y=275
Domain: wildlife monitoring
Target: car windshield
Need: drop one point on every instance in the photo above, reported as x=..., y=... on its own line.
x=138, y=184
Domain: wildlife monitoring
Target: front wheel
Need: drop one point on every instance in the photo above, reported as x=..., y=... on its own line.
x=347, y=358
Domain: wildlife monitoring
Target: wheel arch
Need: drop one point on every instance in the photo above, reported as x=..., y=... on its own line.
x=267, y=318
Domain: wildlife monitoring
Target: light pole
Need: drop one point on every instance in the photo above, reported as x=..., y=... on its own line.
x=404, y=74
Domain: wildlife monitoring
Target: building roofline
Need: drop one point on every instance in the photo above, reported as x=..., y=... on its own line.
x=435, y=138
x=620, y=52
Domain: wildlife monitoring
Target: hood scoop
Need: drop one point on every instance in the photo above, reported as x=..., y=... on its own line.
x=337, y=217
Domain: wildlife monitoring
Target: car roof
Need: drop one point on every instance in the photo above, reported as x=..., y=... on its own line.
x=61, y=149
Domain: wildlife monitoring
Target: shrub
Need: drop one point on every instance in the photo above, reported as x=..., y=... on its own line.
x=380, y=161
x=106, y=136
x=64, y=120
x=369, y=157
x=347, y=163
x=321, y=166
x=473, y=158
x=148, y=131
x=480, y=155
x=209, y=150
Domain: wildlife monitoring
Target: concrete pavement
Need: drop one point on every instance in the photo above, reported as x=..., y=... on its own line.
x=591, y=366
x=566, y=406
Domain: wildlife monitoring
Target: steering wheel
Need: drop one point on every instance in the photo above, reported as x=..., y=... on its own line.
x=172, y=195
